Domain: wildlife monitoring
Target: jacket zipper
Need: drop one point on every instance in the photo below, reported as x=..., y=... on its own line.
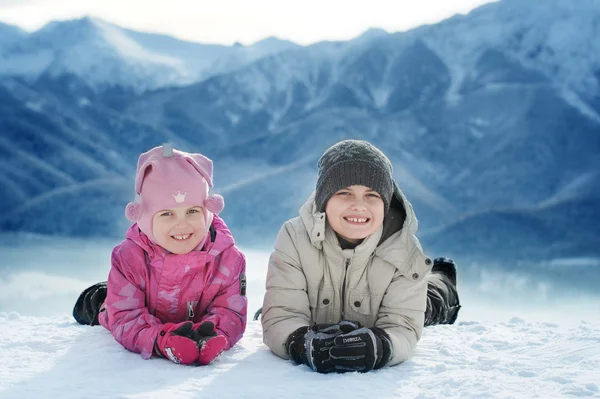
x=190, y=308
x=344, y=290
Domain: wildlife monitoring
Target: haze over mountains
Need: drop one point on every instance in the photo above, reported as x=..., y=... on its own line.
x=492, y=121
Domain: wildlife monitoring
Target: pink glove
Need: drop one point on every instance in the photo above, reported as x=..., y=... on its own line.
x=211, y=345
x=175, y=342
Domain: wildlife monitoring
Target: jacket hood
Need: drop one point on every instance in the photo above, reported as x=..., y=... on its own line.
x=400, y=223
x=397, y=215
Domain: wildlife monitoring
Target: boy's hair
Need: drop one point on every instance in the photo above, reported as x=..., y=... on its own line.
x=353, y=162
x=168, y=178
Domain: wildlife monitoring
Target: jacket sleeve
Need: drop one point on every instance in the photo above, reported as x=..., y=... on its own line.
x=402, y=311
x=286, y=305
x=128, y=318
x=229, y=308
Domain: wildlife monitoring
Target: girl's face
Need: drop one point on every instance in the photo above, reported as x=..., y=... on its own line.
x=179, y=230
x=355, y=212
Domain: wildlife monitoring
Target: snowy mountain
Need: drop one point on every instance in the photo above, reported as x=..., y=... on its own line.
x=491, y=120
x=10, y=34
x=555, y=37
x=105, y=55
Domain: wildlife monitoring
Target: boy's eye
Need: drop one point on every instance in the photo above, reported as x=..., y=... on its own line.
x=374, y=195
x=343, y=193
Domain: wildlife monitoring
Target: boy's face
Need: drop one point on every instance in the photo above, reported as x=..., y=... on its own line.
x=179, y=230
x=355, y=212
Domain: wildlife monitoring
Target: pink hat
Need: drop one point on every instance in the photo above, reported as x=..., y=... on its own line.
x=168, y=178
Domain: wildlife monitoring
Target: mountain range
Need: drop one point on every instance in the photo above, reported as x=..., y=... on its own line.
x=491, y=119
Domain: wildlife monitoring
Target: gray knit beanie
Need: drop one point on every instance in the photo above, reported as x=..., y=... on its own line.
x=353, y=162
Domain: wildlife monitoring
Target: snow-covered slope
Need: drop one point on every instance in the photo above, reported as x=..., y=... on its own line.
x=105, y=55
x=555, y=37
x=475, y=128
x=517, y=336
x=472, y=359
x=9, y=35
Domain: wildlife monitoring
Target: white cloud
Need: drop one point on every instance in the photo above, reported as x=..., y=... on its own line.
x=4, y=3
x=228, y=21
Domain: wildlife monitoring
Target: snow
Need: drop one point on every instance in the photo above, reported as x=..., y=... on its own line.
x=46, y=167
x=84, y=102
x=271, y=45
x=27, y=65
x=35, y=106
x=571, y=189
x=556, y=37
x=515, y=337
x=576, y=102
x=129, y=58
x=381, y=95
x=268, y=171
x=129, y=48
x=233, y=117
x=574, y=262
x=471, y=359
x=9, y=34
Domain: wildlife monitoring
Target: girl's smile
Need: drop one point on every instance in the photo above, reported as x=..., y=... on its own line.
x=179, y=230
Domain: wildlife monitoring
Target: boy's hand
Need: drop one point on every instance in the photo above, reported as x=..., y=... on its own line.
x=311, y=345
x=361, y=350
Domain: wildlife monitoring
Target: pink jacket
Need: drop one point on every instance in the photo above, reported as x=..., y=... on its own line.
x=148, y=286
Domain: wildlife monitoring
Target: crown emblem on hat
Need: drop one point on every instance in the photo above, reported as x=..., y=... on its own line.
x=179, y=197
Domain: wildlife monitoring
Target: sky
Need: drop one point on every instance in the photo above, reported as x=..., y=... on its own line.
x=243, y=21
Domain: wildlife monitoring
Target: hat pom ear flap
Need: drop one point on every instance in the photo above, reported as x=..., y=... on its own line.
x=133, y=211
x=214, y=203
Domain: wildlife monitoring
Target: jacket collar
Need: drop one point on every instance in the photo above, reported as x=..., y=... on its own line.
x=314, y=222
x=397, y=232
x=358, y=255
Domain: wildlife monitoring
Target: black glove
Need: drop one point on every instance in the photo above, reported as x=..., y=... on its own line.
x=361, y=350
x=88, y=304
x=310, y=346
x=295, y=345
x=202, y=332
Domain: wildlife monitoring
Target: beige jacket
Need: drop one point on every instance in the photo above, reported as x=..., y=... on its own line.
x=379, y=283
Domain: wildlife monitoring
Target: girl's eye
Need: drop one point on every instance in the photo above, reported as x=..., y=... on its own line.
x=193, y=211
x=165, y=214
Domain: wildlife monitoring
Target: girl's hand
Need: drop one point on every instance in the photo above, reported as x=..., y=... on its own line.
x=210, y=344
x=174, y=342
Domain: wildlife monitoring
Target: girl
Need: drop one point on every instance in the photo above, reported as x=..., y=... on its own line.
x=351, y=263
x=176, y=287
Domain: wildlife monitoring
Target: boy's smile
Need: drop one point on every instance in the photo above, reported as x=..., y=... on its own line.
x=355, y=212
x=356, y=220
